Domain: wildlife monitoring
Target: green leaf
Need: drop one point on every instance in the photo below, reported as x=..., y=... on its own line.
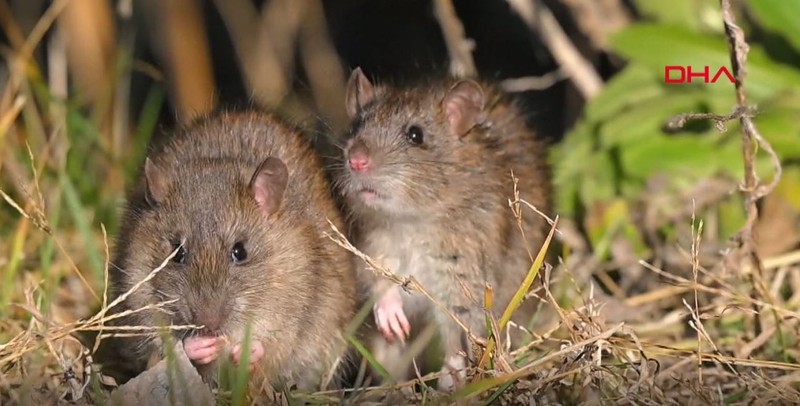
x=578, y=143
x=780, y=16
x=658, y=46
x=777, y=122
x=789, y=186
x=608, y=220
x=678, y=156
x=731, y=217
x=694, y=14
x=729, y=154
x=646, y=118
x=599, y=185
x=565, y=195
x=635, y=84
x=570, y=161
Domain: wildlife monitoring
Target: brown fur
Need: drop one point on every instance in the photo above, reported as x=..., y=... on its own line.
x=442, y=214
x=296, y=287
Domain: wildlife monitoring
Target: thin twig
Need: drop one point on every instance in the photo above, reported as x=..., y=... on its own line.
x=751, y=140
x=738, y=52
x=458, y=45
x=720, y=120
x=541, y=20
x=697, y=231
x=527, y=83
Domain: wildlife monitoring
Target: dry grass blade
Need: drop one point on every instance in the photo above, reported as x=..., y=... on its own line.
x=101, y=314
x=98, y=339
x=41, y=222
x=479, y=387
x=10, y=116
x=29, y=340
x=408, y=283
x=721, y=292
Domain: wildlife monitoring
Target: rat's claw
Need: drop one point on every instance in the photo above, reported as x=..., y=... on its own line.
x=390, y=318
x=382, y=323
x=401, y=317
x=397, y=330
x=201, y=350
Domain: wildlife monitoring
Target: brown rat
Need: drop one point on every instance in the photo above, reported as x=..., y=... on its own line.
x=427, y=179
x=243, y=200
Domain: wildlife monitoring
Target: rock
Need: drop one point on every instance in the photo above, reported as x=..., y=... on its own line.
x=153, y=386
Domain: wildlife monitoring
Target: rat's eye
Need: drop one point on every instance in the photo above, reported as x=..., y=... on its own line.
x=414, y=135
x=238, y=253
x=180, y=256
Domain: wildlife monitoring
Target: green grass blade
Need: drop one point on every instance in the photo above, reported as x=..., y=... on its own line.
x=239, y=395
x=497, y=393
x=370, y=359
x=12, y=267
x=481, y=386
x=519, y=295
x=84, y=226
x=46, y=255
x=148, y=119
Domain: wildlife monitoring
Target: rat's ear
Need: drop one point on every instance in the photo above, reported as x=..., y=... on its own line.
x=268, y=184
x=463, y=107
x=156, y=183
x=359, y=92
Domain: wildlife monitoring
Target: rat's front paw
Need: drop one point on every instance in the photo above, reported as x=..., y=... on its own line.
x=202, y=350
x=390, y=317
x=256, y=353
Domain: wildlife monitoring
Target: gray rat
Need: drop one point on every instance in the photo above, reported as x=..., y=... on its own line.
x=426, y=177
x=243, y=201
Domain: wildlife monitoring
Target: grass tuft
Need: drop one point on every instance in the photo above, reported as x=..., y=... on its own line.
x=690, y=321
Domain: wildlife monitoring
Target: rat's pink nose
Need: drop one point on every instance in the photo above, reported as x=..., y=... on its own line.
x=359, y=162
x=358, y=158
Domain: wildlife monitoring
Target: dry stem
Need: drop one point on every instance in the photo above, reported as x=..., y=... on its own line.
x=541, y=20
x=458, y=45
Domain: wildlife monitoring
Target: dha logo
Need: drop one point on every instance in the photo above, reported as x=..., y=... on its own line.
x=685, y=74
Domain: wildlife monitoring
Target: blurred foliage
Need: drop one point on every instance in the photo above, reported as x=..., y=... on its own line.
x=81, y=176
x=605, y=162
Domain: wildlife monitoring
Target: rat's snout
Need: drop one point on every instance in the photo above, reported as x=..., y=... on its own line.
x=358, y=157
x=212, y=314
